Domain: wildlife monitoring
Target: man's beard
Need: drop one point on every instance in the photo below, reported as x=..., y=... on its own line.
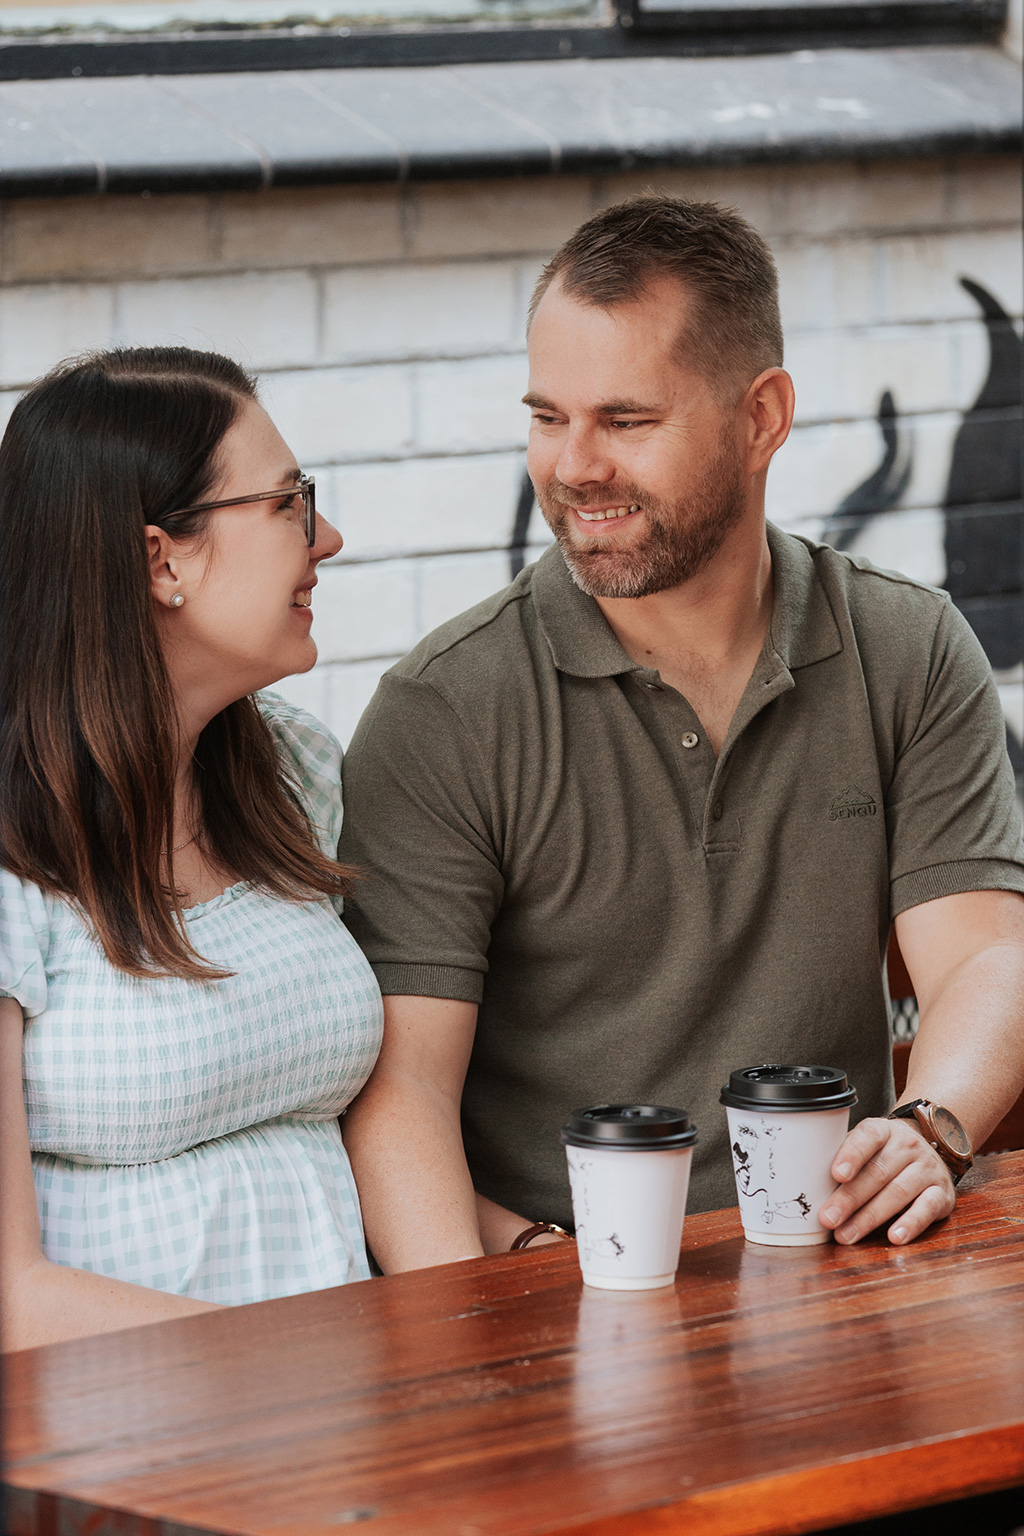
x=680, y=537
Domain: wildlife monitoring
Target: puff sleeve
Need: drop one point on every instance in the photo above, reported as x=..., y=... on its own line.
x=24, y=941
x=312, y=758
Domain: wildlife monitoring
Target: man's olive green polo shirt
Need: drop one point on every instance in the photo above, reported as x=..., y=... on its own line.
x=547, y=832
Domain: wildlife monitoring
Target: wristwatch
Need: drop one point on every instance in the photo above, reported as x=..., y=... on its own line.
x=943, y=1131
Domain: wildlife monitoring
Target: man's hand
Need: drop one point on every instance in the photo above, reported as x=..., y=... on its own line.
x=965, y=955
x=885, y=1168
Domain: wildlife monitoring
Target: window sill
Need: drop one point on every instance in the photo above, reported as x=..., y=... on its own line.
x=207, y=132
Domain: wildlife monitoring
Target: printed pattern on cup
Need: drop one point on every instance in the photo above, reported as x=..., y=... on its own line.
x=783, y=1166
x=591, y=1245
x=757, y=1176
x=628, y=1207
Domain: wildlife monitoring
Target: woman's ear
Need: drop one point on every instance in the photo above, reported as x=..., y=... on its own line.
x=164, y=568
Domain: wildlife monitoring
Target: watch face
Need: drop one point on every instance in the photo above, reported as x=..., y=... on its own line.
x=951, y=1131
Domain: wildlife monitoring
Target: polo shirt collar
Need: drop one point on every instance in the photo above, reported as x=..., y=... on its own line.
x=581, y=641
x=803, y=628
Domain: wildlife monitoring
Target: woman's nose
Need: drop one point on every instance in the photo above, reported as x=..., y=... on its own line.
x=328, y=540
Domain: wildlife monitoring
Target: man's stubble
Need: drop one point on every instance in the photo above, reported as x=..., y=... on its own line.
x=681, y=537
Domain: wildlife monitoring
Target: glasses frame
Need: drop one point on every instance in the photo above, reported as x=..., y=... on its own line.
x=304, y=487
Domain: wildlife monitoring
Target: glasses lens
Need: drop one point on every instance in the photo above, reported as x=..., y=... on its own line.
x=309, y=502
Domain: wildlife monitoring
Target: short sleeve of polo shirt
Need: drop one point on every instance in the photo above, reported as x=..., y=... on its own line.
x=418, y=822
x=953, y=821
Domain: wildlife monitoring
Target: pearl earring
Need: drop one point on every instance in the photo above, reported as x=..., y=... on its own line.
x=177, y=600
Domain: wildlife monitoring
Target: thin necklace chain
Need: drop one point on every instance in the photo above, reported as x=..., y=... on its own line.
x=188, y=840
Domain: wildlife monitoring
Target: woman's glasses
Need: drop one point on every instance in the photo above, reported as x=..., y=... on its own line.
x=302, y=498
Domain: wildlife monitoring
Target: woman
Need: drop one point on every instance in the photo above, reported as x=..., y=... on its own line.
x=188, y=1011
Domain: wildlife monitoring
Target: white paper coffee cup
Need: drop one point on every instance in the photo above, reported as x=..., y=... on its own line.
x=629, y=1170
x=786, y=1125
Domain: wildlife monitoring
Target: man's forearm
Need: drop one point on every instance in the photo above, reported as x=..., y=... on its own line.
x=404, y=1141
x=969, y=1050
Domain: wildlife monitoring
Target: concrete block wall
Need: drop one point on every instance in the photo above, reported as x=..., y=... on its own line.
x=386, y=325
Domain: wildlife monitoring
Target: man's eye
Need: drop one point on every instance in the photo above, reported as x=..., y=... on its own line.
x=625, y=426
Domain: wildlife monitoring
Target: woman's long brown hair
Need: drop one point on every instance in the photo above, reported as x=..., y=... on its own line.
x=88, y=730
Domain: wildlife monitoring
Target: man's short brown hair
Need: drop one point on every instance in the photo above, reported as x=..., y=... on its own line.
x=722, y=262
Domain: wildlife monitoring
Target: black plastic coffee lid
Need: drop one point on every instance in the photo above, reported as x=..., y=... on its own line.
x=777, y=1088
x=630, y=1127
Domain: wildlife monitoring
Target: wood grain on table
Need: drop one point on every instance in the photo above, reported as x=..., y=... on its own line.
x=769, y=1390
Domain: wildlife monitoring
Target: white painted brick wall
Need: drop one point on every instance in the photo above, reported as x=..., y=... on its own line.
x=472, y=405
x=326, y=414
x=366, y=610
x=265, y=319
x=387, y=329
x=41, y=324
x=452, y=309
x=915, y=273
x=837, y=373
x=423, y=506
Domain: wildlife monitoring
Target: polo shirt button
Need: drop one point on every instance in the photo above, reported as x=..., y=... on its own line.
x=690, y=739
x=716, y=810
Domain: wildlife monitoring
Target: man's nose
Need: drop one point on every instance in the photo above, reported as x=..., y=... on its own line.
x=583, y=461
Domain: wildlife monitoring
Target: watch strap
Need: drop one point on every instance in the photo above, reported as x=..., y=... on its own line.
x=921, y=1111
x=906, y=1111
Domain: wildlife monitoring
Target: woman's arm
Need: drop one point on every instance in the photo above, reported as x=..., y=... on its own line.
x=41, y=1302
x=404, y=1138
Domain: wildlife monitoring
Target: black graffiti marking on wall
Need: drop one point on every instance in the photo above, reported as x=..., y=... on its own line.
x=983, y=506
x=983, y=502
x=520, y=527
x=881, y=490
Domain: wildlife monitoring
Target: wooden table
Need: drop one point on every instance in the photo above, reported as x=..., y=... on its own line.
x=770, y=1390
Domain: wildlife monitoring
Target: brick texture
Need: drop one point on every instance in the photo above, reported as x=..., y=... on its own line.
x=386, y=326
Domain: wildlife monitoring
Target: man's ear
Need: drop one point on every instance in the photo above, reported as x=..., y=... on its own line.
x=164, y=571
x=768, y=407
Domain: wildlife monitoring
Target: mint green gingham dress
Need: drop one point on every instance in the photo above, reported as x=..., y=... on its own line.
x=185, y=1134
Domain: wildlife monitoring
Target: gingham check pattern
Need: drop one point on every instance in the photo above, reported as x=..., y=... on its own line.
x=185, y=1134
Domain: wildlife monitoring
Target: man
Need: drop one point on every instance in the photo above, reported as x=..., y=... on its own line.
x=646, y=815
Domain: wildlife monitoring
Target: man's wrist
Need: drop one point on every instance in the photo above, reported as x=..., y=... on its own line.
x=941, y=1130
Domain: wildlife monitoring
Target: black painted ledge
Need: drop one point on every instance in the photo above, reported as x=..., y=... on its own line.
x=317, y=127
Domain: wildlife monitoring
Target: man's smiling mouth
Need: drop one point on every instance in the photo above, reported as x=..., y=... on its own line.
x=602, y=514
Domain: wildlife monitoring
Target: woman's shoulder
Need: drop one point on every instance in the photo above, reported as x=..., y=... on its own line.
x=312, y=757
x=25, y=922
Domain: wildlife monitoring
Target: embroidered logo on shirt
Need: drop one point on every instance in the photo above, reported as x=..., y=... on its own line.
x=852, y=802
